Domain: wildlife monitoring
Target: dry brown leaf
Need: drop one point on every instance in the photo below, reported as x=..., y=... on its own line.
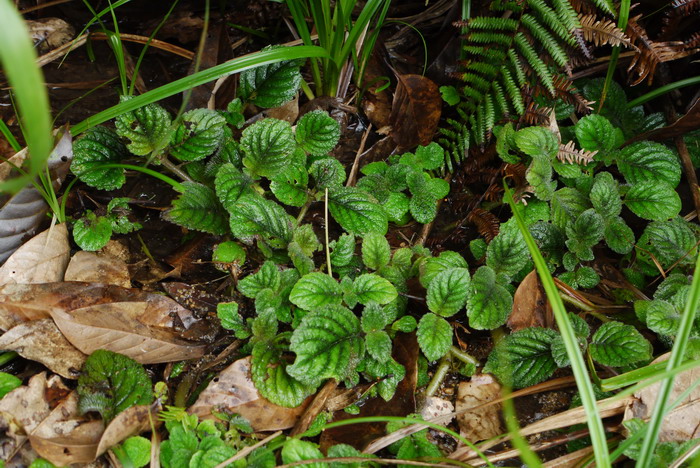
x=288, y=111
x=23, y=302
x=41, y=341
x=6, y=167
x=12, y=441
x=435, y=407
x=529, y=304
x=484, y=423
x=132, y=421
x=115, y=327
x=234, y=390
x=98, y=268
x=683, y=422
x=28, y=404
x=415, y=112
x=65, y=437
x=42, y=259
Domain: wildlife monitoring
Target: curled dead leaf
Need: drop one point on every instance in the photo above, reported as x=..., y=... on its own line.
x=415, y=112
x=484, y=423
x=98, y=268
x=530, y=305
x=132, y=421
x=43, y=259
x=28, y=404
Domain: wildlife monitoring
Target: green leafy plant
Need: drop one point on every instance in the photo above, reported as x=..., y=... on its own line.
x=93, y=231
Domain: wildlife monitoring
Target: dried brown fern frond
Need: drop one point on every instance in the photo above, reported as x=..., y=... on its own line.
x=565, y=90
x=603, y=31
x=569, y=154
x=535, y=114
x=486, y=223
x=680, y=12
x=494, y=192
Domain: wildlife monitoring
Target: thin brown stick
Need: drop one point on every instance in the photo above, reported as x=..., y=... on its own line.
x=358, y=155
x=316, y=406
x=689, y=171
x=43, y=5
x=383, y=461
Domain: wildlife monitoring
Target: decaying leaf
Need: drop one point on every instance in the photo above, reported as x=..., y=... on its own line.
x=530, y=306
x=683, y=422
x=65, y=437
x=22, y=214
x=233, y=390
x=23, y=302
x=42, y=259
x=132, y=421
x=98, y=268
x=415, y=112
x=41, y=341
x=484, y=423
x=115, y=327
x=602, y=31
x=435, y=407
x=28, y=404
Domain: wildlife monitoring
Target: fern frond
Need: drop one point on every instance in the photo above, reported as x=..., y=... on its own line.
x=534, y=61
x=486, y=223
x=513, y=91
x=569, y=154
x=567, y=14
x=602, y=32
x=548, y=42
x=490, y=24
x=549, y=17
x=517, y=67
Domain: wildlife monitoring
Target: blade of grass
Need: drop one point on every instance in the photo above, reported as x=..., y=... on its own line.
x=18, y=58
x=675, y=360
x=578, y=366
x=661, y=90
x=5, y=130
x=210, y=74
x=622, y=20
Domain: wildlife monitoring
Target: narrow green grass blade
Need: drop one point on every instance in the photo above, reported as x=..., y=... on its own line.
x=578, y=366
x=233, y=66
x=18, y=58
x=661, y=90
x=5, y=130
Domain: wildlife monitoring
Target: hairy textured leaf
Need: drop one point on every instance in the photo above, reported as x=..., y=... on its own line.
x=290, y=186
x=507, y=253
x=316, y=290
x=567, y=205
x=109, y=383
x=271, y=85
x=434, y=336
x=376, y=252
x=295, y=450
x=618, y=235
x=662, y=317
x=584, y=233
x=328, y=344
x=370, y=287
x=317, y=132
x=267, y=145
x=269, y=372
x=615, y=344
x=669, y=242
x=92, y=232
x=595, y=133
x=343, y=250
x=489, y=304
x=145, y=128
x=267, y=277
x=434, y=265
x=198, y=208
x=378, y=345
x=255, y=216
x=230, y=319
x=655, y=201
x=375, y=317
x=99, y=145
x=448, y=291
x=356, y=211
x=230, y=185
x=328, y=173
x=423, y=204
x=605, y=195
x=647, y=161
x=537, y=142
x=523, y=358
x=199, y=134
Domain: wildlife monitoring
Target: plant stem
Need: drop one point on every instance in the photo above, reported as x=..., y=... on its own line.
x=328, y=249
x=174, y=169
x=7, y=357
x=439, y=375
x=622, y=24
x=462, y=356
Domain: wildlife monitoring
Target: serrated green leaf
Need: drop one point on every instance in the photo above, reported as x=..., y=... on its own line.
x=328, y=173
x=595, y=133
x=539, y=175
x=316, y=290
x=375, y=317
x=342, y=250
x=199, y=134
x=230, y=185
x=376, y=185
x=605, y=195
x=523, y=358
x=586, y=277
x=434, y=336
x=356, y=211
x=110, y=382
x=145, y=128
x=615, y=344
x=99, y=145
x=138, y=449
x=450, y=95
x=92, y=232
x=317, y=132
x=387, y=375
x=654, y=201
x=567, y=204
x=618, y=235
x=647, y=161
x=423, y=204
x=302, y=262
x=227, y=312
x=396, y=176
x=662, y=317
x=378, y=345
x=670, y=242
x=489, y=303
x=198, y=208
x=252, y=216
x=268, y=276
x=434, y=265
x=438, y=188
x=397, y=206
x=271, y=85
x=290, y=186
x=507, y=253
x=370, y=287
x=448, y=291
x=584, y=233
x=537, y=142
x=430, y=157
x=271, y=378
x=327, y=344
x=295, y=450
x=267, y=145
x=376, y=252
x=406, y=324
x=305, y=236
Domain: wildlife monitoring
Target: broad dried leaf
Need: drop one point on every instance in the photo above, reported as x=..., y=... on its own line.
x=28, y=404
x=23, y=302
x=687, y=123
x=6, y=167
x=415, y=112
x=99, y=268
x=233, y=390
x=530, y=306
x=132, y=421
x=114, y=327
x=41, y=260
x=681, y=423
x=41, y=341
x=484, y=423
x=65, y=437
x=21, y=215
